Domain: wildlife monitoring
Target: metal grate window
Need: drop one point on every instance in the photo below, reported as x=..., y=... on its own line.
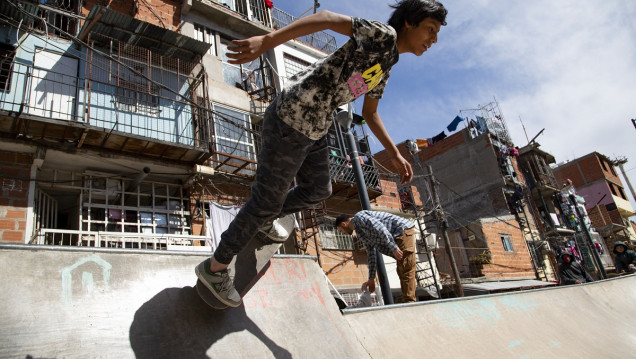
x=293, y=65
x=7, y=53
x=331, y=238
x=206, y=35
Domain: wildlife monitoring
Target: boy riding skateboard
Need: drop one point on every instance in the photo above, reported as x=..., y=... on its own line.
x=296, y=122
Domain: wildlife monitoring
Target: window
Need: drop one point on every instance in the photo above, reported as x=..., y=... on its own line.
x=293, y=65
x=115, y=204
x=7, y=53
x=507, y=244
x=232, y=136
x=331, y=238
x=231, y=73
x=603, y=164
x=206, y=35
x=611, y=186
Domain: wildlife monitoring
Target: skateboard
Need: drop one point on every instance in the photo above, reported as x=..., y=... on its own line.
x=252, y=262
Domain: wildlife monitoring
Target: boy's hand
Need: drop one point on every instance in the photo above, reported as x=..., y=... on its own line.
x=398, y=254
x=404, y=168
x=370, y=284
x=246, y=50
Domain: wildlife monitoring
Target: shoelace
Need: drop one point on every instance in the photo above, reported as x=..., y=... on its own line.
x=227, y=284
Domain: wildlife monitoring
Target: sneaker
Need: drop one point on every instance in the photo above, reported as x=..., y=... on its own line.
x=219, y=283
x=280, y=229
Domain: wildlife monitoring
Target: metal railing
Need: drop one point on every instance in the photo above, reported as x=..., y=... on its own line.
x=156, y=241
x=320, y=40
x=341, y=170
x=51, y=95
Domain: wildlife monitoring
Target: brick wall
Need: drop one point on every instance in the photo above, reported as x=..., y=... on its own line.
x=425, y=154
x=15, y=170
x=506, y=265
x=583, y=171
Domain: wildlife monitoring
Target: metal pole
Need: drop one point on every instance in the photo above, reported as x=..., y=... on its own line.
x=443, y=226
x=366, y=205
x=590, y=244
x=364, y=202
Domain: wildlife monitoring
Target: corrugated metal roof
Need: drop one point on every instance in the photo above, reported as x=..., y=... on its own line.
x=139, y=33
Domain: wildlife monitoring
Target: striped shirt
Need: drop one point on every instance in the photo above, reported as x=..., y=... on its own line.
x=377, y=231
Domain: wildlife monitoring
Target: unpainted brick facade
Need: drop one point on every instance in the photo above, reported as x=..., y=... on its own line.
x=16, y=170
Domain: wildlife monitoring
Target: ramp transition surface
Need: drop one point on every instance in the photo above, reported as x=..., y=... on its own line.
x=64, y=302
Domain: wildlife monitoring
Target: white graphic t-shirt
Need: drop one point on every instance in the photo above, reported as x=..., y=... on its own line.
x=361, y=66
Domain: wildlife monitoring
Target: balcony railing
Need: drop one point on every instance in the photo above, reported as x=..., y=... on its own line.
x=76, y=238
x=341, y=170
x=50, y=95
x=320, y=40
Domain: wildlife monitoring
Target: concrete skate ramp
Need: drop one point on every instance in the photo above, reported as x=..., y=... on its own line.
x=62, y=302
x=595, y=320
x=59, y=303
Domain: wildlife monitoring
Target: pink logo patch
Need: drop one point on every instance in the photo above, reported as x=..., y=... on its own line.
x=357, y=85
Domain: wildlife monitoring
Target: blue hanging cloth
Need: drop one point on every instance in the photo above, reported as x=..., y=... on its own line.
x=453, y=125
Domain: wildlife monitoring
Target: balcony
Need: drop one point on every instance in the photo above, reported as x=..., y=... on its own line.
x=251, y=17
x=49, y=103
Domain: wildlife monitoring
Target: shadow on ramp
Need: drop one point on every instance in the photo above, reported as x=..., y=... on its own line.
x=176, y=323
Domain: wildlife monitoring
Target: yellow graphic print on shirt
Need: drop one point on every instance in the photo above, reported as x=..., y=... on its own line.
x=370, y=78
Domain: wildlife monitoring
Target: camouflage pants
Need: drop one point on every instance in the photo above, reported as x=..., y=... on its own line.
x=285, y=153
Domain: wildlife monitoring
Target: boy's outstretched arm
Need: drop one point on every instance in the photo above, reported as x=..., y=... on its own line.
x=372, y=117
x=249, y=49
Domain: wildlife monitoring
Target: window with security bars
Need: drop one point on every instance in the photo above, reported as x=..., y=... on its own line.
x=206, y=35
x=7, y=53
x=293, y=65
x=233, y=137
x=331, y=238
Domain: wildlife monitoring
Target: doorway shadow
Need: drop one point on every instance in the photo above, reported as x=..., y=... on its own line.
x=176, y=323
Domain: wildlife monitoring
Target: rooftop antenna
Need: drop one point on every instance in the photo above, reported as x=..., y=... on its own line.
x=524, y=129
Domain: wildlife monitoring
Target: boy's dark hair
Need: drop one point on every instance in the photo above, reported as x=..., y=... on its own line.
x=414, y=11
x=341, y=219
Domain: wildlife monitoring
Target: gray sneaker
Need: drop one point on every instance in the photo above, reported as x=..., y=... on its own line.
x=219, y=283
x=280, y=229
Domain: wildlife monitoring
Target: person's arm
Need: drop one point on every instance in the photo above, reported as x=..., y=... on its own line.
x=372, y=117
x=588, y=277
x=249, y=49
x=566, y=276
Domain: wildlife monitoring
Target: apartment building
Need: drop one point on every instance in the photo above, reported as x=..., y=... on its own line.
x=595, y=179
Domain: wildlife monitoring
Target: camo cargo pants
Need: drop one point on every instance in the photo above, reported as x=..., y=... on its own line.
x=285, y=153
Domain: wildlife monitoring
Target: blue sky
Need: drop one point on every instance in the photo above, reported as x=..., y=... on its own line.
x=566, y=66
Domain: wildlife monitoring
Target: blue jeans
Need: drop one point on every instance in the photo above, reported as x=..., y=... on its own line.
x=285, y=153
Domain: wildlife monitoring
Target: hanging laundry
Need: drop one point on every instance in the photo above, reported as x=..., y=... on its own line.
x=481, y=124
x=453, y=125
x=439, y=137
x=513, y=151
x=219, y=220
x=421, y=143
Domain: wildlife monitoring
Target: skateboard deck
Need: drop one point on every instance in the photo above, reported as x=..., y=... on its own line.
x=249, y=265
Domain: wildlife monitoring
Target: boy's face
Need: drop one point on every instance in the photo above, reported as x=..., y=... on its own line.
x=418, y=39
x=620, y=249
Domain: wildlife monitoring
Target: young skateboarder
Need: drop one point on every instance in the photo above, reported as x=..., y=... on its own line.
x=296, y=123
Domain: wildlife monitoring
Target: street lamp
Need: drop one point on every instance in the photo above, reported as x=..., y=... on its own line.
x=345, y=120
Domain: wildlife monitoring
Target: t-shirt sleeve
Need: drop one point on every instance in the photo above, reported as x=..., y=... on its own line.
x=378, y=90
x=372, y=35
